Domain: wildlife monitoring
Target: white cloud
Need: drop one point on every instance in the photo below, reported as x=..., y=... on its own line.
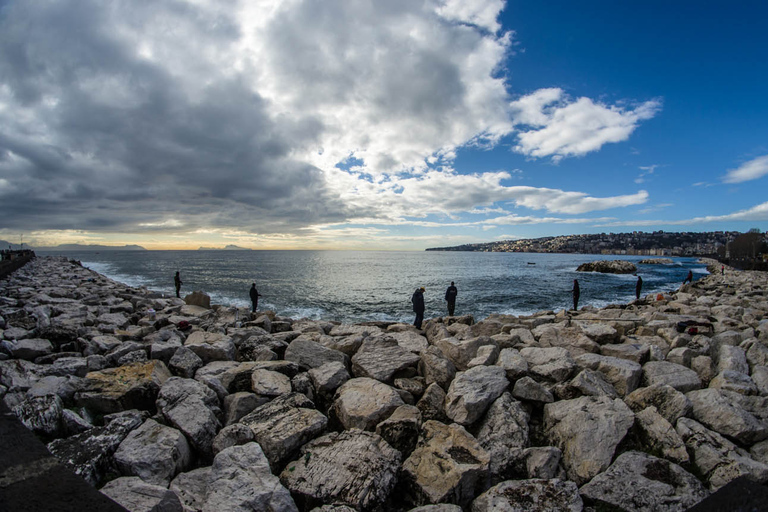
x=553, y=125
x=752, y=170
x=758, y=213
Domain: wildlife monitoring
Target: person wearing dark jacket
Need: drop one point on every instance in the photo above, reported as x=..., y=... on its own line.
x=638, y=287
x=576, y=292
x=177, y=282
x=254, y=297
x=418, y=306
x=689, y=277
x=450, y=298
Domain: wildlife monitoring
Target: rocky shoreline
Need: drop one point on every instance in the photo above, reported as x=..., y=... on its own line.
x=168, y=406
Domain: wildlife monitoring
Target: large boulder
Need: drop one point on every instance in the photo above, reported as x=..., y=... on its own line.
x=448, y=466
x=504, y=434
x=353, y=467
x=193, y=408
x=283, y=425
x=659, y=436
x=552, y=364
x=381, y=358
x=211, y=346
x=624, y=375
x=401, y=429
x=669, y=402
x=41, y=414
x=191, y=488
x=363, y=403
x=462, y=351
x=436, y=367
x=153, y=452
x=309, y=354
x=240, y=480
x=608, y=267
x=530, y=495
x=136, y=495
x=665, y=373
x=638, y=481
x=717, y=411
x=472, y=391
x=587, y=430
x=134, y=386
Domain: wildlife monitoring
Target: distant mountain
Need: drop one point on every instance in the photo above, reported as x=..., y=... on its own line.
x=226, y=248
x=82, y=247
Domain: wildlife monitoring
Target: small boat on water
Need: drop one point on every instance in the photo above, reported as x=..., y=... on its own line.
x=531, y=263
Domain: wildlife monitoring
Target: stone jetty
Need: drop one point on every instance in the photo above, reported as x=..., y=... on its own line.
x=169, y=406
x=608, y=267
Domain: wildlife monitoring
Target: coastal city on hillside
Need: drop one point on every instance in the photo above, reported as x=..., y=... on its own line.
x=657, y=243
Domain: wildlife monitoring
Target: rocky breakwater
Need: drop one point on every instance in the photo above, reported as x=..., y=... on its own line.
x=169, y=406
x=608, y=267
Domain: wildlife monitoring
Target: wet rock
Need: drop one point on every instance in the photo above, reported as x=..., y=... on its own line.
x=448, y=466
x=283, y=425
x=137, y=495
x=587, y=430
x=153, y=452
x=436, y=367
x=718, y=412
x=662, y=372
x=530, y=495
x=192, y=408
x=504, y=434
x=89, y=454
x=472, y=391
x=638, y=481
x=240, y=479
x=134, y=386
x=354, y=468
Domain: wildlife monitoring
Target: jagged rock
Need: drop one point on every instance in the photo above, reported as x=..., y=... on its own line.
x=19, y=375
x=528, y=389
x=153, y=452
x=191, y=407
x=414, y=386
x=302, y=383
x=472, y=391
x=381, y=358
x=137, y=495
x=308, y=354
x=719, y=460
x=199, y=299
x=461, y=352
x=503, y=433
x=718, y=412
x=663, y=372
x=89, y=454
x=354, y=467
x=669, y=402
x=270, y=384
x=513, y=363
x=28, y=348
x=757, y=354
x=184, y=363
x=233, y=435
x=759, y=452
x=436, y=367
x=448, y=466
x=587, y=430
x=486, y=355
x=585, y=383
x=530, y=495
x=760, y=378
x=239, y=404
x=623, y=374
x=608, y=267
x=737, y=382
x=553, y=364
x=732, y=358
x=363, y=403
x=211, y=346
x=240, y=479
x=283, y=425
x=73, y=424
x=598, y=332
x=659, y=435
x=134, y=386
x=410, y=341
x=326, y=379
x=543, y=462
x=638, y=481
x=191, y=488
x=432, y=404
x=401, y=429
x=41, y=414
x=629, y=351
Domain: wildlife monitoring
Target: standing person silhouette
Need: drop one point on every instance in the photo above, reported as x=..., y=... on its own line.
x=418, y=306
x=177, y=282
x=254, y=298
x=576, y=293
x=689, y=277
x=638, y=287
x=450, y=297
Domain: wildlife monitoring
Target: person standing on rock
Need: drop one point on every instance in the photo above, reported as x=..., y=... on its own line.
x=638, y=287
x=418, y=306
x=576, y=292
x=177, y=282
x=450, y=298
x=254, y=297
x=689, y=277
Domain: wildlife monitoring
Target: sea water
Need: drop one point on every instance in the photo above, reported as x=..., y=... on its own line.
x=354, y=286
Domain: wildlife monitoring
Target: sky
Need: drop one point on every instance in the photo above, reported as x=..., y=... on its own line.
x=394, y=125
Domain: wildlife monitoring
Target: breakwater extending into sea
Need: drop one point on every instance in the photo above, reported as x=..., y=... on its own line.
x=650, y=405
x=356, y=286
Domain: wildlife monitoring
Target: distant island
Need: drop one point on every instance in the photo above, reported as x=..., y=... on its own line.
x=73, y=247
x=718, y=244
x=226, y=248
